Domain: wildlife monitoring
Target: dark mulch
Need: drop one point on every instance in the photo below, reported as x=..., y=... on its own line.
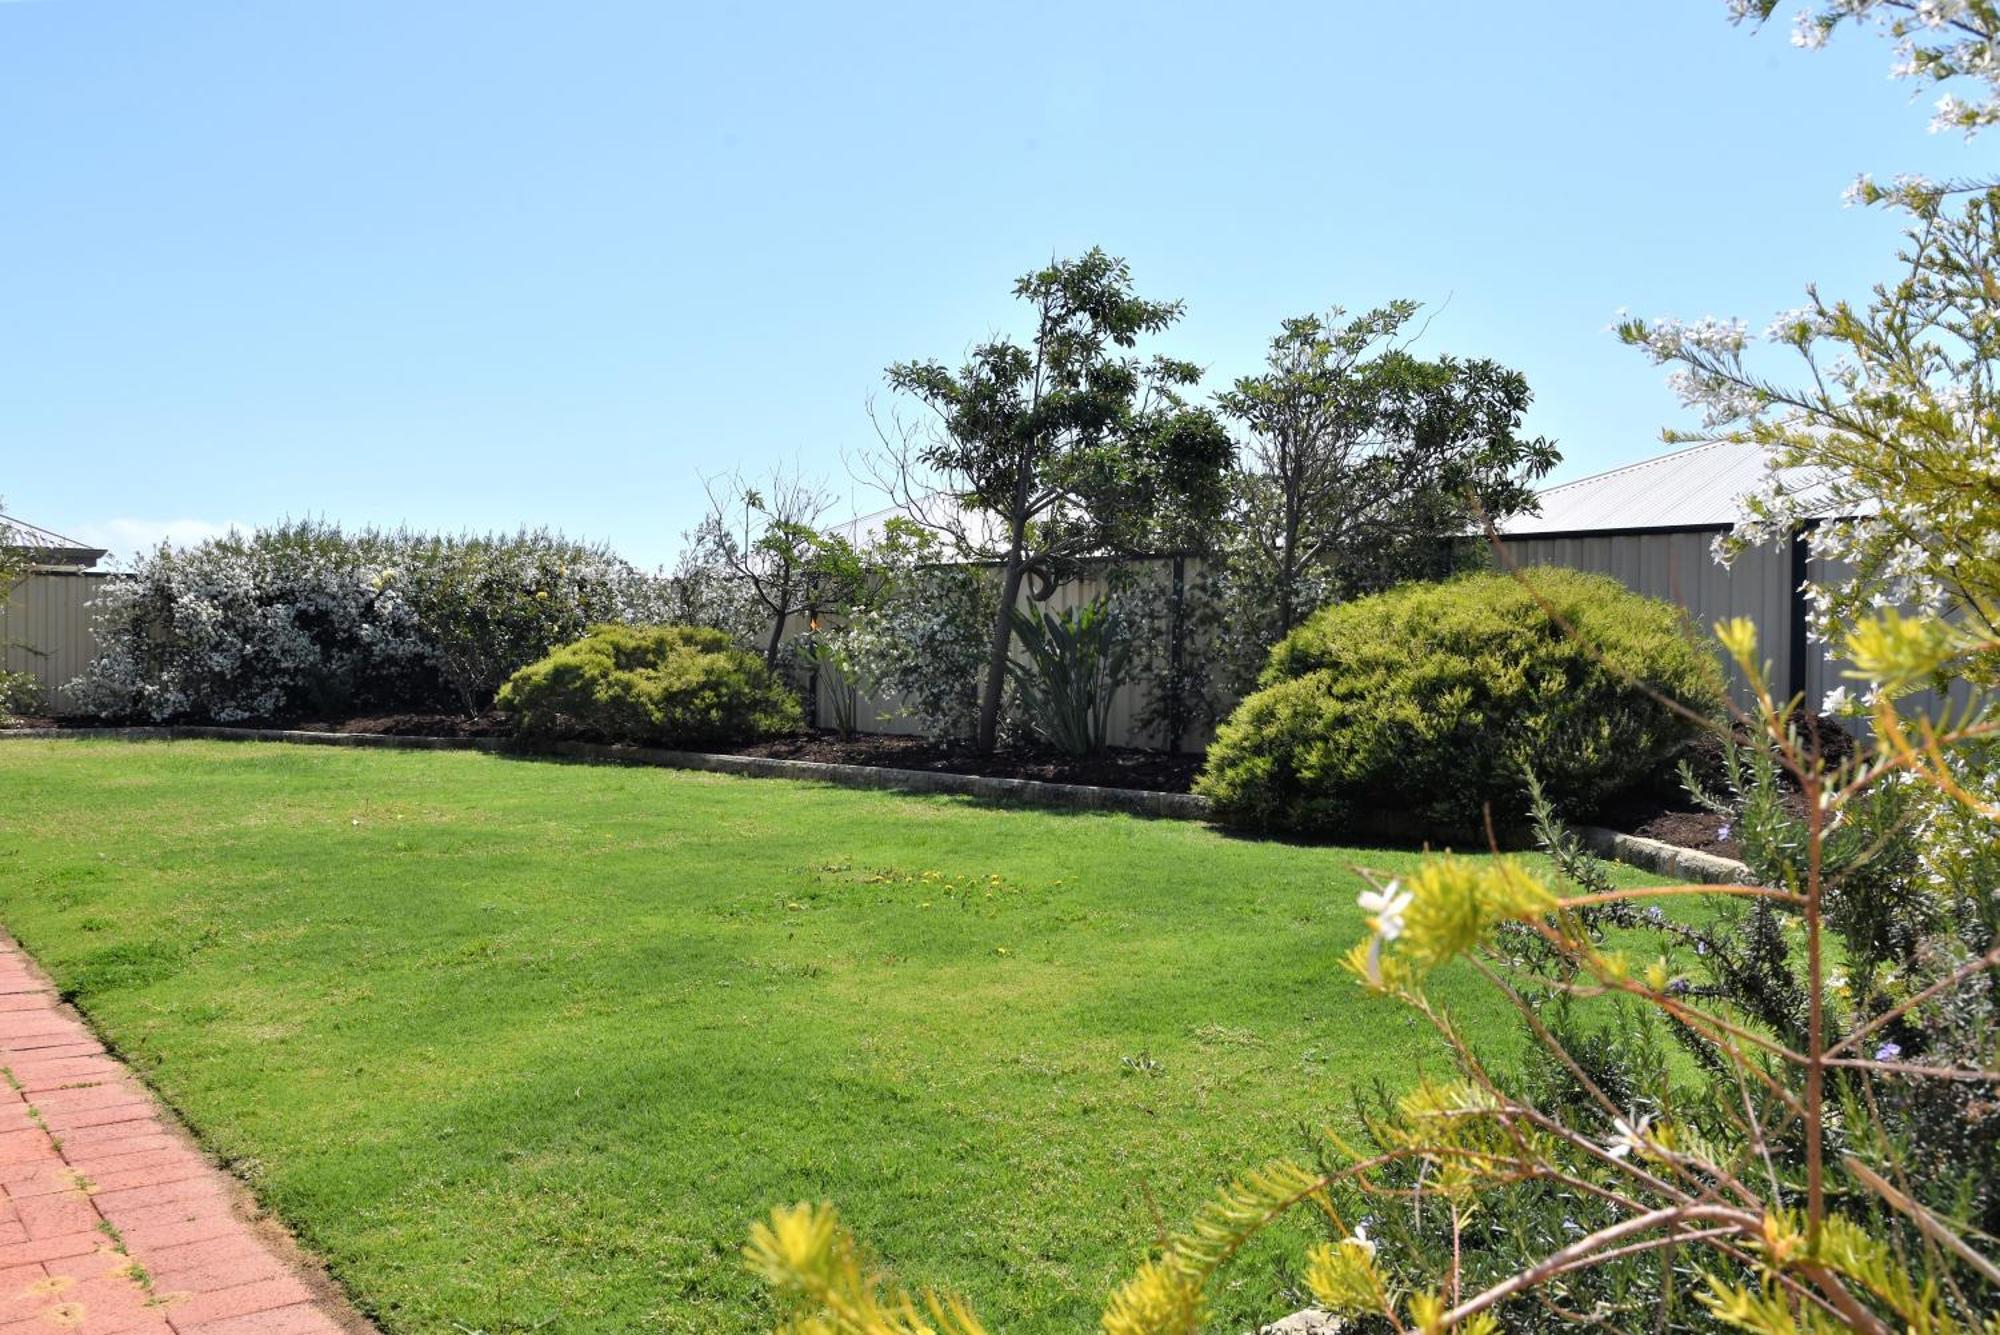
x=1144, y=770
x=489, y=724
x=1672, y=822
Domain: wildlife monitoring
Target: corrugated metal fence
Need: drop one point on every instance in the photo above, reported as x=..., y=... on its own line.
x=1681, y=568
x=46, y=630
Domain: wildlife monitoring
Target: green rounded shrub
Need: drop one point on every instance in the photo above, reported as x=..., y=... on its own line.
x=1429, y=700
x=663, y=685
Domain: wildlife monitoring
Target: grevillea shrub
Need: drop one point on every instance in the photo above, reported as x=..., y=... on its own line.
x=306, y=619
x=664, y=685
x=1431, y=699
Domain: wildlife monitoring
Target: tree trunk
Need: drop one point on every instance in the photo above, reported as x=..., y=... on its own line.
x=1288, y=572
x=996, y=658
x=777, y=641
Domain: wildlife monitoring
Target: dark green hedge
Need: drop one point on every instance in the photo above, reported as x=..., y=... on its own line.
x=1429, y=699
x=658, y=685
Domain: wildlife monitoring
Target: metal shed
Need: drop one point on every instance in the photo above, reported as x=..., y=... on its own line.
x=1653, y=525
x=46, y=623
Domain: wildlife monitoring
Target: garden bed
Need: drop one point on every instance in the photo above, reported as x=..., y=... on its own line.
x=1145, y=771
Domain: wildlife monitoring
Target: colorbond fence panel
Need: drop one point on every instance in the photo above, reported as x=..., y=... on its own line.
x=46, y=630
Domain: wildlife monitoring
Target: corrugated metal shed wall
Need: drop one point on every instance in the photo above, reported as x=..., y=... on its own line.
x=46, y=630
x=1681, y=568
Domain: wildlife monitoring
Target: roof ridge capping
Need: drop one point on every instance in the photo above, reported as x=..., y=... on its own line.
x=1651, y=461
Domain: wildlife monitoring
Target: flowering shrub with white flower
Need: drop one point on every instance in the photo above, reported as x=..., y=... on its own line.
x=1885, y=443
x=307, y=619
x=922, y=642
x=1935, y=41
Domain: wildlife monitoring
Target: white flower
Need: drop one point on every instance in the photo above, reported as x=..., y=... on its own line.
x=1359, y=1238
x=1628, y=1137
x=1385, y=909
x=1837, y=701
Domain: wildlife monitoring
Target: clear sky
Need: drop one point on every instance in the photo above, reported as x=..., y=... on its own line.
x=483, y=264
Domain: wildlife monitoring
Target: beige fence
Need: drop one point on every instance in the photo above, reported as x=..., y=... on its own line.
x=46, y=630
x=1678, y=567
x=1125, y=723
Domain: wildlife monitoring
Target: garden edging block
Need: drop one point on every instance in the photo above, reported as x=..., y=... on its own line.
x=1685, y=864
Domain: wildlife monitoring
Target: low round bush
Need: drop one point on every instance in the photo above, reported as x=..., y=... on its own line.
x=1429, y=700
x=664, y=685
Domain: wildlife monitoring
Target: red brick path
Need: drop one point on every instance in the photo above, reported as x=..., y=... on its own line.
x=110, y=1221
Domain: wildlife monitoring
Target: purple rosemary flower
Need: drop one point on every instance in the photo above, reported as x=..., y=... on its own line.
x=1888, y=1052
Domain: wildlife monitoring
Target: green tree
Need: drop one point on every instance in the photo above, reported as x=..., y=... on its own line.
x=1034, y=454
x=1365, y=466
x=767, y=538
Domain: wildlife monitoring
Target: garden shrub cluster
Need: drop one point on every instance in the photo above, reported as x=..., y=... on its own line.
x=306, y=619
x=1432, y=698
x=661, y=685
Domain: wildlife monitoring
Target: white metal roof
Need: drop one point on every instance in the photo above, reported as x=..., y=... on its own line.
x=1701, y=486
x=45, y=546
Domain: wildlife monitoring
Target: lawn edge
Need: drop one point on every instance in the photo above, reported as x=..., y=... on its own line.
x=1654, y=855
x=1036, y=792
x=1646, y=854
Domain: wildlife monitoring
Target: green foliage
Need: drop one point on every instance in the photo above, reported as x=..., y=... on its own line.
x=662, y=685
x=490, y=604
x=1077, y=660
x=1067, y=446
x=920, y=637
x=765, y=539
x=1431, y=698
x=1366, y=466
x=825, y=655
x=307, y=619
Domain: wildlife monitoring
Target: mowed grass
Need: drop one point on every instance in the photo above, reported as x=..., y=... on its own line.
x=521, y=1045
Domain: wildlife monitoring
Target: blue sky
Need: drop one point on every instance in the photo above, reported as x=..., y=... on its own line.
x=488, y=264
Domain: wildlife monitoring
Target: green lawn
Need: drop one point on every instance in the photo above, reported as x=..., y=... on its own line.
x=522, y=1045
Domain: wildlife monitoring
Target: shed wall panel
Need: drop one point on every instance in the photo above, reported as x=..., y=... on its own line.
x=46, y=630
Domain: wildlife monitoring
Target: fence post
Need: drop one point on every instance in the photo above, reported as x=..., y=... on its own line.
x=1176, y=691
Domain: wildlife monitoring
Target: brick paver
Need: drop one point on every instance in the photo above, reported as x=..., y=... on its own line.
x=110, y=1221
